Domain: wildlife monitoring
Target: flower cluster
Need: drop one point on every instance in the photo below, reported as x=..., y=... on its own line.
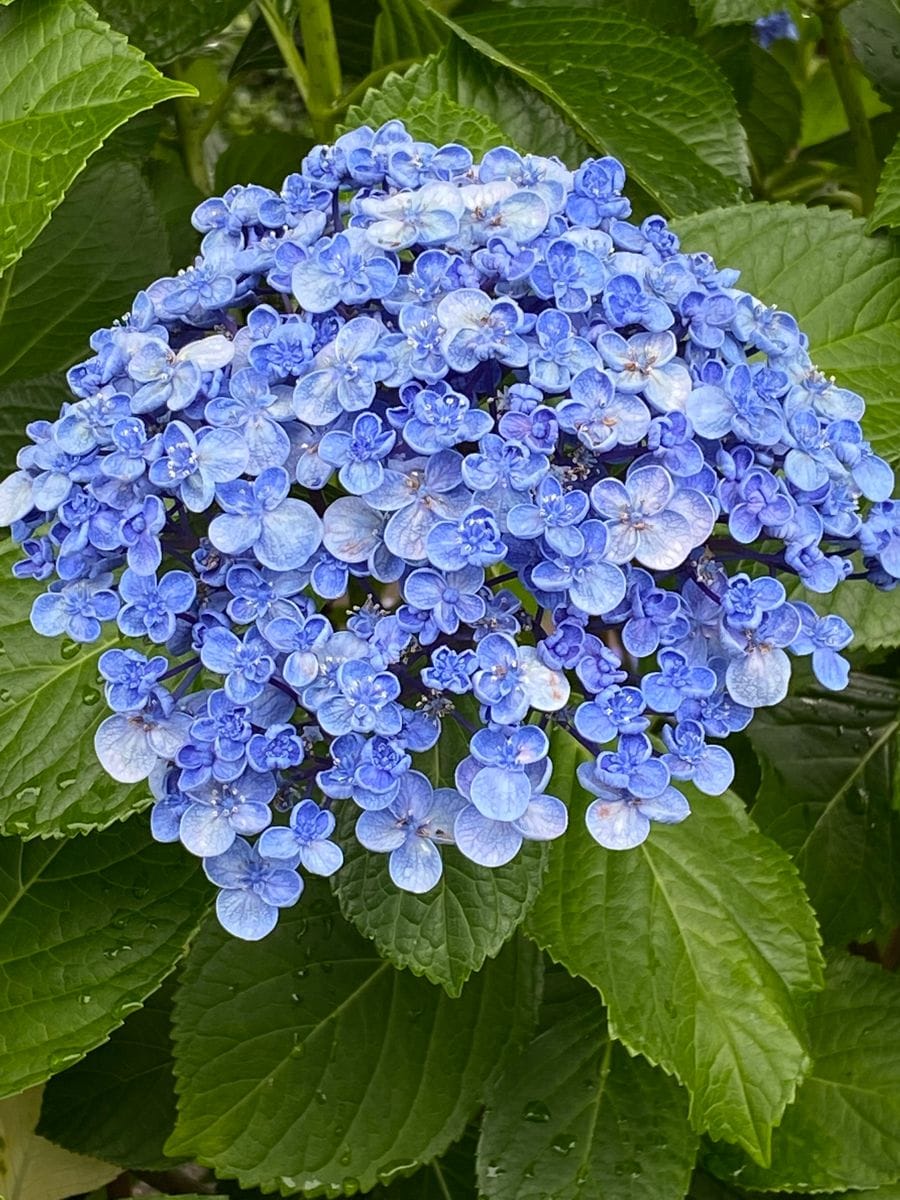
x=421, y=442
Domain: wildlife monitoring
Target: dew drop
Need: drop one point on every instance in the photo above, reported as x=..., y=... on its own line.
x=563, y=1144
x=321, y=1098
x=5, y=695
x=90, y=696
x=58, y=1061
x=494, y=1171
x=68, y=649
x=65, y=781
x=85, y=998
x=536, y=1111
x=28, y=795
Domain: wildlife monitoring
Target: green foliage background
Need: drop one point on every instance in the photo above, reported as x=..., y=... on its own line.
x=714, y=1015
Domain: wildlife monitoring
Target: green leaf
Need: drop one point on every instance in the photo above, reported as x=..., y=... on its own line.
x=162, y=33
x=843, y=288
x=844, y=1127
x=354, y=26
x=701, y=943
x=32, y=1168
x=887, y=201
x=119, y=1103
x=405, y=29
x=575, y=1117
x=21, y=402
x=874, y=29
x=772, y=114
x=439, y=119
x=732, y=12
x=307, y=1062
x=528, y=121
x=447, y=933
x=829, y=762
x=105, y=242
x=81, y=82
x=453, y=1174
x=89, y=927
x=263, y=158
x=873, y=615
x=50, y=786
x=655, y=102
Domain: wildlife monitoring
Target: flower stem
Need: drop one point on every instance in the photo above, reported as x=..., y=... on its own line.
x=322, y=63
x=190, y=137
x=837, y=45
x=292, y=57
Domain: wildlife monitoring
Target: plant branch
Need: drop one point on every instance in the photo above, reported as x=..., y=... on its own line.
x=322, y=63
x=190, y=138
x=837, y=45
x=291, y=56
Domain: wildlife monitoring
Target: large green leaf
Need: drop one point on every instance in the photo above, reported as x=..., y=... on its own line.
x=874, y=29
x=118, y=1104
x=31, y=1168
x=105, y=242
x=701, y=943
x=655, y=102
x=439, y=119
x=453, y=1175
x=887, y=201
x=528, y=121
x=829, y=763
x=576, y=1117
x=844, y=1127
x=307, y=1062
x=66, y=82
x=88, y=928
x=447, y=933
x=50, y=704
x=24, y=401
x=164, y=33
x=843, y=288
x=405, y=29
x=771, y=114
x=732, y=12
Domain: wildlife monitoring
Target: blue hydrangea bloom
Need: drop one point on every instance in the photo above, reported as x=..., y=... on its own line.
x=416, y=445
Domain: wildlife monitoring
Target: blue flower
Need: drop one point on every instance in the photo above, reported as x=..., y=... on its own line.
x=76, y=609
x=558, y=354
x=152, y=605
x=450, y=670
x=646, y=363
x=365, y=701
x=676, y=680
x=709, y=768
x=633, y=766
x=307, y=837
x=478, y=328
x=474, y=540
x=626, y=302
x=344, y=269
x=440, y=417
x=344, y=373
x=590, y=579
x=652, y=520
x=222, y=809
x=450, y=597
x=615, y=710
x=282, y=532
x=278, y=748
x=245, y=662
x=381, y=765
x=300, y=637
x=823, y=638
x=359, y=454
x=554, y=515
x=253, y=888
x=192, y=464
x=131, y=746
x=597, y=192
x=599, y=416
x=410, y=829
x=131, y=678
x=511, y=679
x=619, y=820
x=500, y=788
x=760, y=501
x=491, y=842
x=569, y=275
x=775, y=27
x=253, y=410
x=426, y=216
x=139, y=531
x=759, y=673
x=418, y=497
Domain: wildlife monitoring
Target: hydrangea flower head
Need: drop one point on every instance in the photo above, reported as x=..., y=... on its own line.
x=306, y=468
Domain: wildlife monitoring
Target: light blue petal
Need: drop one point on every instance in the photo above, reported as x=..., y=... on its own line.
x=291, y=533
x=245, y=915
x=486, y=842
x=615, y=824
x=759, y=678
x=205, y=831
x=416, y=865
